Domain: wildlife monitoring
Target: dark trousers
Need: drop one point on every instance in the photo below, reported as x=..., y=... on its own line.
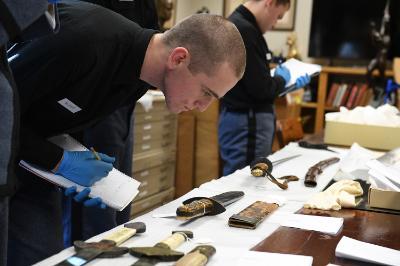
x=35, y=225
x=3, y=230
x=244, y=136
x=114, y=137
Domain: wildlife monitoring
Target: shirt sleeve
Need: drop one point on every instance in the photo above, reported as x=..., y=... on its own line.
x=258, y=81
x=37, y=150
x=39, y=71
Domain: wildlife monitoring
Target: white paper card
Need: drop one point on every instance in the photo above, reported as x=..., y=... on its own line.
x=357, y=250
x=70, y=106
x=240, y=257
x=328, y=225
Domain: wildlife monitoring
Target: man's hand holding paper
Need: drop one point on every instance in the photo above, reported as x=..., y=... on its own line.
x=83, y=168
x=83, y=197
x=300, y=74
x=302, y=81
x=283, y=72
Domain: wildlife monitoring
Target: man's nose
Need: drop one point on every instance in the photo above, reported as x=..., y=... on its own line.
x=203, y=105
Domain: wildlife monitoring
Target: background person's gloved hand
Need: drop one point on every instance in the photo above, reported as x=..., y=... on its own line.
x=283, y=72
x=83, y=197
x=83, y=168
x=302, y=81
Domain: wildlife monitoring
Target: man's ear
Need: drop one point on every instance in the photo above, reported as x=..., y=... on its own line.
x=269, y=2
x=179, y=56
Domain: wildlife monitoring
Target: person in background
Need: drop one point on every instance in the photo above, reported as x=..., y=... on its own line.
x=247, y=119
x=107, y=62
x=113, y=136
x=16, y=18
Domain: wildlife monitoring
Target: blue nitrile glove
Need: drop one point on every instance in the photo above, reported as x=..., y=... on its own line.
x=83, y=197
x=83, y=168
x=302, y=81
x=283, y=72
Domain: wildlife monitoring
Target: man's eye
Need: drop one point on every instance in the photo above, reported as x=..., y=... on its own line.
x=206, y=93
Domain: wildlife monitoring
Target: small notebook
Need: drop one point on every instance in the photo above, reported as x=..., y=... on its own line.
x=297, y=69
x=117, y=190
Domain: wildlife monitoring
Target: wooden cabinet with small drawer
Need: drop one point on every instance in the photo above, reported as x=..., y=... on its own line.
x=154, y=153
x=155, y=180
x=149, y=131
x=149, y=203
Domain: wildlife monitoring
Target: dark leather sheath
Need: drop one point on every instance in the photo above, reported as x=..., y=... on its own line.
x=315, y=170
x=252, y=215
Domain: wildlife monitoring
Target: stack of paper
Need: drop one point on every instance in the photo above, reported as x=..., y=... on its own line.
x=386, y=177
x=297, y=69
x=116, y=190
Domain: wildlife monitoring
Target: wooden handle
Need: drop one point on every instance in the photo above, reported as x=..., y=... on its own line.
x=174, y=240
x=121, y=235
x=192, y=259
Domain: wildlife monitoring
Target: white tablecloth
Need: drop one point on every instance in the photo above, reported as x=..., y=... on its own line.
x=214, y=230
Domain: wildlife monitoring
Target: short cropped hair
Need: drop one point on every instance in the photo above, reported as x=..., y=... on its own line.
x=277, y=2
x=282, y=2
x=211, y=41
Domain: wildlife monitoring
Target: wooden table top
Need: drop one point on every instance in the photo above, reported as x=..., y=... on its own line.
x=373, y=227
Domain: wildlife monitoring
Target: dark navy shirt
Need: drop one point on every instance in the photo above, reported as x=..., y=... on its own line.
x=257, y=89
x=69, y=81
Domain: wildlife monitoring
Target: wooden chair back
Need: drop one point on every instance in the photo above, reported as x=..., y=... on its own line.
x=289, y=129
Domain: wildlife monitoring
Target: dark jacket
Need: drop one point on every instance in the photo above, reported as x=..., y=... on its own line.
x=71, y=80
x=257, y=89
x=16, y=18
x=142, y=12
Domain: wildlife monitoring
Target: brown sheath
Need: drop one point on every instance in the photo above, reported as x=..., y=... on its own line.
x=252, y=215
x=315, y=170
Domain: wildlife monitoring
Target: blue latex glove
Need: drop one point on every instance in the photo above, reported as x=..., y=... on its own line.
x=83, y=197
x=83, y=168
x=283, y=72
x=302, y=81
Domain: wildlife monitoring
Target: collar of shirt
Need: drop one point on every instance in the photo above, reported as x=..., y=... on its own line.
x=248, y=16
x=132, y=65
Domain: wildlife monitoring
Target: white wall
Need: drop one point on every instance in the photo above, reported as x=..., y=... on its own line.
x=185, y=8
x=277, y=39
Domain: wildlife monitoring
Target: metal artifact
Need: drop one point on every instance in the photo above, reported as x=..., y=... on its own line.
x=288, y=178
x=252, y=215
x=317, y=146
x=260, y=165
x=163, y=251
x=263, y=167
x=315, y=170
x=199, y=256
x=106, y=248
x=200, y=206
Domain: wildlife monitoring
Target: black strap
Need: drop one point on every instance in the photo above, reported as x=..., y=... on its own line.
x=7, y=19
x=251, y=136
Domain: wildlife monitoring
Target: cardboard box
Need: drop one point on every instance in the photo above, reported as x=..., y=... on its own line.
x=386, y=199
x=375, y=137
